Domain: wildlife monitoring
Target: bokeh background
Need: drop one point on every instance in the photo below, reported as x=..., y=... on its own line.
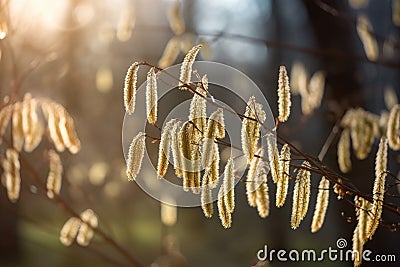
x=77, y=53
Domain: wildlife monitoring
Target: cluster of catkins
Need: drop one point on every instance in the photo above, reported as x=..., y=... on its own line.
x=27, y=131
x=193, y=145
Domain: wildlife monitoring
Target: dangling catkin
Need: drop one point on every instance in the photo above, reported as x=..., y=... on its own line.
x=11, y=167
x=252, y=181
x=224, y=215
x=32, y=128
x=54, y=178
x=53, y=124
x=283, y=181
x=390, y=97
x=343, y=151
x=284, y=100
x=135, y=156
x=273, y=158
x=86, y=233
x=298, y=78
x=164, y=148
x=250, y=131
x=211, y=173
x=357, y=247
x=393, y=128
x=17, y=129
x=186, y=68
x=171, y=52
x=379, y=188
x=151, y=96
x=69, y=231
x=321, y=206
x=197, y=113
x=175, y=18
x=369, y=42
x=176, y=152
x=5, y=116
x=67, y=130
x=262, y=195
x=185, y=145
x=229, y=186
x=362, y=209
x=301, y=196
x=215, y=129
x=130, y=88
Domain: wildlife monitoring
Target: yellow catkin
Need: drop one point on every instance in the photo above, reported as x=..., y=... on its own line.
x=89, y=222
x=175, y=18
x=67, y=130
x=130, y=88
x=54, y=178
x=396, y=12
x=215, y=129
x=229, y=186
x=135, y=156
x=5, y=116
x=379, y=188
x=252, y=181
x=186, y=67
x=362, y=209
x=357, y=247
x=393, y=128
x=343, y=151
x=284, y=100
x=151, y=96
x=298, y=78
x=283, y=181
x=390, y=97
x=301, y=196
x=169, y=213
x=321, y=205
x=262, y=195
x=206, y=198
x=369, y=42
x=273, y=158
x=17, y=128
x=250, y=131
x=32, y=127
x=11, y=167
x=176, y=152
x=52, y=113
x=211, y=173
x=362, y=133
x=164, y=148
x=197, y=112
x=187, y=40
x=69, y=231
x=171, y=52
x=316, y=88
x=224, y=215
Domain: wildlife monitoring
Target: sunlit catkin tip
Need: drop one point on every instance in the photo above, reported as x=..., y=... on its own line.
x=301, y=195
x=343, y=151
x=393, y=128
x=135, y=156
x=206, y=198
x=69, y=231
x=321, y=206
x=54, y=178
x=89, y=222
x=130, y=88
x=151, y=96
x=262, y=198
x=284, y=101
x=186, y=67
x=273, y=158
